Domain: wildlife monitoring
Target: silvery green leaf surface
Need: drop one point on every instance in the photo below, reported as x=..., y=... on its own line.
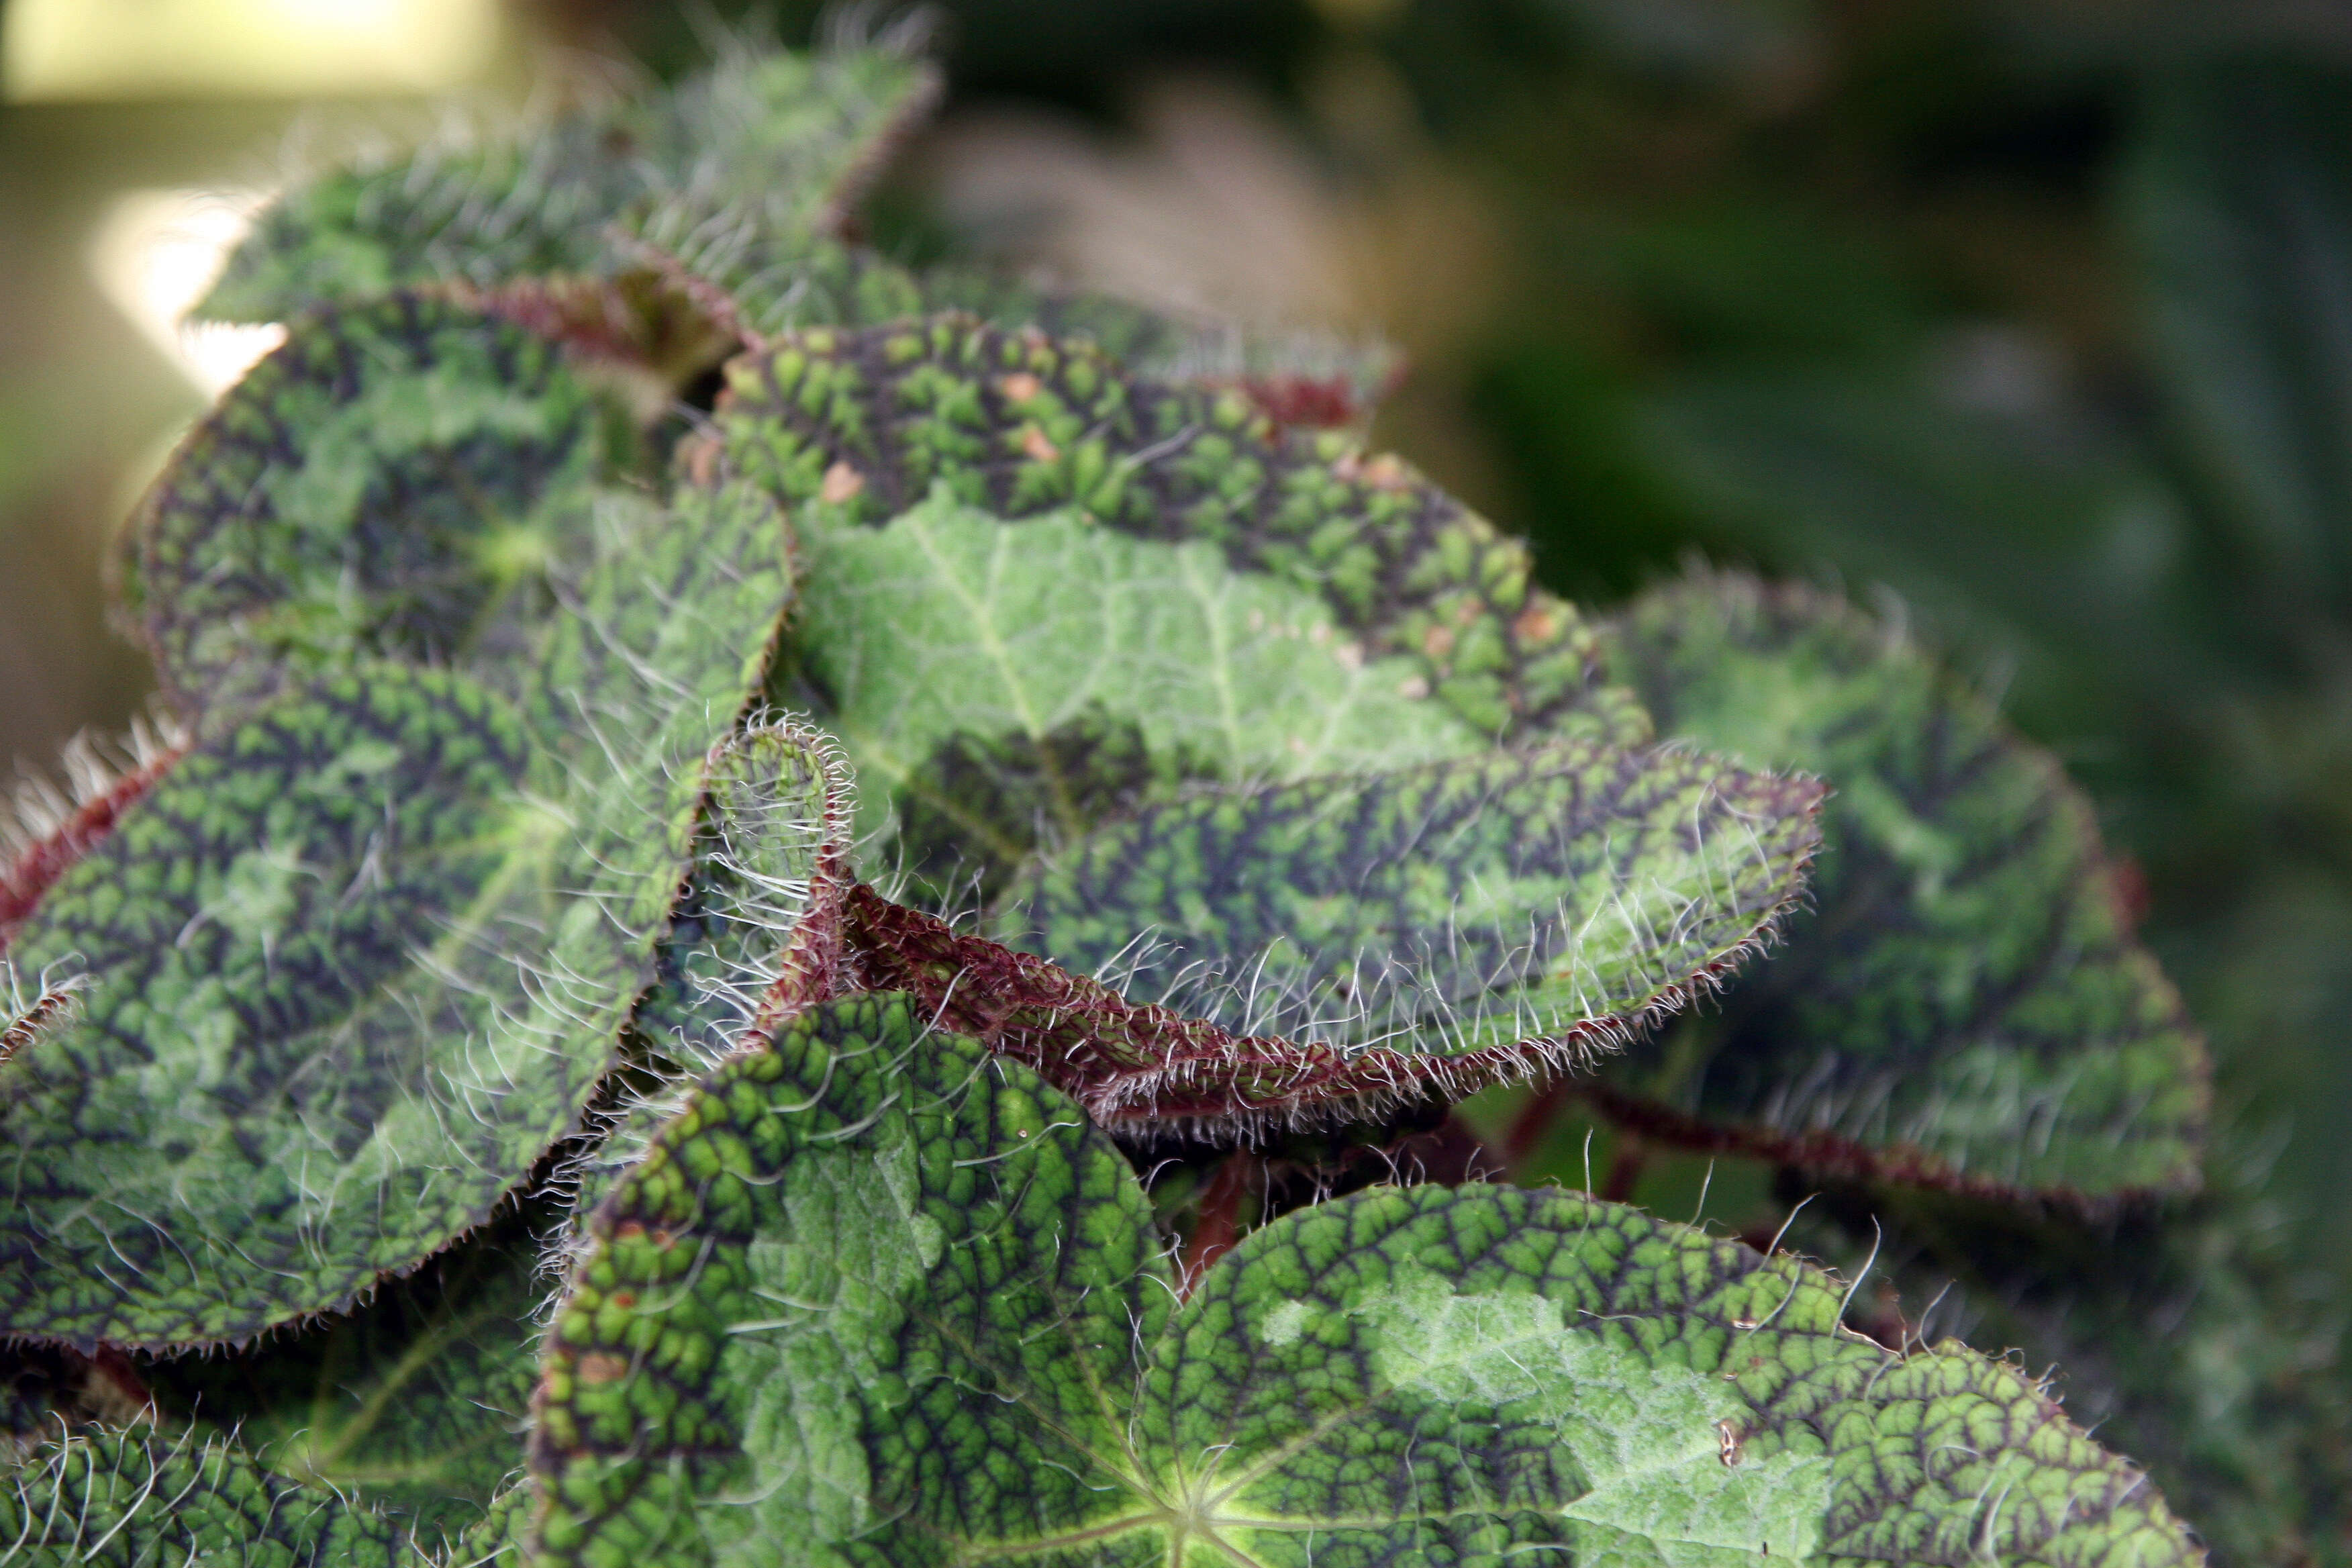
x=1109, y=582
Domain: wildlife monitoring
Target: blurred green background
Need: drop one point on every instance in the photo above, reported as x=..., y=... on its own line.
x=2029, y=320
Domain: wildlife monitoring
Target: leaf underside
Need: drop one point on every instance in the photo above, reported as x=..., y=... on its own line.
x=1965, y=1003
x=1324, y=950
x=889, y=1297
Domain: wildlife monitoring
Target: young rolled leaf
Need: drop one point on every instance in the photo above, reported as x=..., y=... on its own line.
x=758, y=924
x=137, y=1499
x=413, y=1403
x=782, y=141
x=364, y=956
x=890, y=1298
x=1322, y=949
x=1965, y=1004
x=756, y=933
x=396, y=479
x=1007, y=514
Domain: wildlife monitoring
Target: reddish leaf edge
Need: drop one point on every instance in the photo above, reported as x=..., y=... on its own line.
x=43, y=860
x=1145, y=1071
x=1830, y=1156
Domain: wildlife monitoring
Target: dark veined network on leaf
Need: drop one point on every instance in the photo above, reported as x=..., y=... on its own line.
x=887, y=1296
x=502, y=913
x=1273, y=746
x=1333, y=948
x=776, y=142
x=402, y=478
x=413, y=1404
x=139, y=1497
x=1965, y=1003
x=363, y=955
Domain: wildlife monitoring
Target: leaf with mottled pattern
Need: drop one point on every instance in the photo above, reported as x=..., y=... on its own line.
x=1966, y=1003
x=398, y=479
x=414, y=1403
x=890, y=1298
x=140, y=1500
x=365, y=955
x=756, y=933
x=783, y=142
x=1039, y=587
x=1321, y=950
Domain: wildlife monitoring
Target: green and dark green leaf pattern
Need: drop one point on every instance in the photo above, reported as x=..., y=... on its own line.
x=414, y=1403
x=361, y=960
x=1326, y=949
x=888, y=1298
x=397, y=479
x=139, y=1500
x=956, y=473
x=780, y=142
x=1965, y=1004
x=489, y=920
x=756, y=933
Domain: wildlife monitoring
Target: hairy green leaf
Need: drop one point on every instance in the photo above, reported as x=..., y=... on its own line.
x=363, y=957
x=414, y=1403
x=758, y=285
x=780, y=142
x=1966, y=1003
x=892, y=1299
x=2239, y=1408
x=137, y=1499
x=763, y=908
x=499, y=1539
x=985, y=674
x=1030, y=512
x=756, y=934
x=1324, y=949
x=397, y=479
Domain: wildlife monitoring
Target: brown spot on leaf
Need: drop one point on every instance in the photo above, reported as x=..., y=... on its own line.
x=842, y=483
x=1037, y=447
x=1020, y=386
x=598, y=1367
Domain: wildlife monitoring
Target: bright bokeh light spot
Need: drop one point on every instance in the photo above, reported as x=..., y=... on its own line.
x=139, y=48
x=156, y=254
